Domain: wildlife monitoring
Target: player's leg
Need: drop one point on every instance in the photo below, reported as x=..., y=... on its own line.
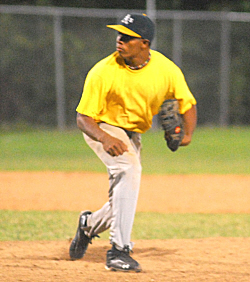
x=124, y=177
x=118, y=213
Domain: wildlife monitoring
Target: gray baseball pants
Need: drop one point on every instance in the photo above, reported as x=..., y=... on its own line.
x=124, y=184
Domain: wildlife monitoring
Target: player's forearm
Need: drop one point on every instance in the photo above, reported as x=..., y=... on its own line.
x=88, y=125
x=111, y=145
x=190, y=121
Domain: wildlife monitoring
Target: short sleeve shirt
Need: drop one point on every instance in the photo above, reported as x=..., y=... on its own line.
x=117, y=95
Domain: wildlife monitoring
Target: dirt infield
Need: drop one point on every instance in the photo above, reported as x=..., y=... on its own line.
x=210, y=259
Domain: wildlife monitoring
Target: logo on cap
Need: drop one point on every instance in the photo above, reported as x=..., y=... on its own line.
x=127, y=19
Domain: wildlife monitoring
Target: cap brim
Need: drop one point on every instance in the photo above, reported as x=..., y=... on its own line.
x=124, y=30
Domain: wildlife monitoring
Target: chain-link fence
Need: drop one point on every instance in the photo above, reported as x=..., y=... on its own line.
x=47, y=52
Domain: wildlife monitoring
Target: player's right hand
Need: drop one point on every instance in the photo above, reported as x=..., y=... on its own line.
x=114, y=146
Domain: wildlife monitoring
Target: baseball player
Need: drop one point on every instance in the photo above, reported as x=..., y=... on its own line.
x=121, y=95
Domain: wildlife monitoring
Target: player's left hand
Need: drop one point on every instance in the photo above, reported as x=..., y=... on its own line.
x=186, y=140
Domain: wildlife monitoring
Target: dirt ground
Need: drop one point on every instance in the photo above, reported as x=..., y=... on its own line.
x=210, y=259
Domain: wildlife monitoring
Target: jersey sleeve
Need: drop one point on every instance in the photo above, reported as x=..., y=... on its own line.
x=182, y=92
x=92, y=101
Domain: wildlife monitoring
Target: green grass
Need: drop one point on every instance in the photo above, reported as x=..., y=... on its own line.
x=213, y=151
x=190, y=226
x=61, y=225
x=47, y=150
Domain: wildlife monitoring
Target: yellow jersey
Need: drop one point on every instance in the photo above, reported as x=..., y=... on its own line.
x=117, y=95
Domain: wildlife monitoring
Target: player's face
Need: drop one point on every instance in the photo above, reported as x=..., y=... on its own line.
x=129, y=47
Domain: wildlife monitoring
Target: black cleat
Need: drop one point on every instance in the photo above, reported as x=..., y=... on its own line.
x=81, y=241
x=121, y=261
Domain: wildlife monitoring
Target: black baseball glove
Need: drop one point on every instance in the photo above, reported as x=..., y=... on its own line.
x=172, y=123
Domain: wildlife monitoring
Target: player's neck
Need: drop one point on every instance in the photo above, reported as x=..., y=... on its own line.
x=138, y=63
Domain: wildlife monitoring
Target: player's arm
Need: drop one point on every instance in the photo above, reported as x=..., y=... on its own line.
x=111, y=145
x=190, y=120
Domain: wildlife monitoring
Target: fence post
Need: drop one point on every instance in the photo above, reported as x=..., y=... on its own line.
x=177, y=39
x=224, y=72
x=151, y=13
x=59, y=73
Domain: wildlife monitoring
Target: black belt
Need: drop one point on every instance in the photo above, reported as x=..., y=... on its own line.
x=129, y=133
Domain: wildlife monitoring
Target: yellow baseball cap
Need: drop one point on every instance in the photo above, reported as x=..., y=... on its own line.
x=136, y=25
